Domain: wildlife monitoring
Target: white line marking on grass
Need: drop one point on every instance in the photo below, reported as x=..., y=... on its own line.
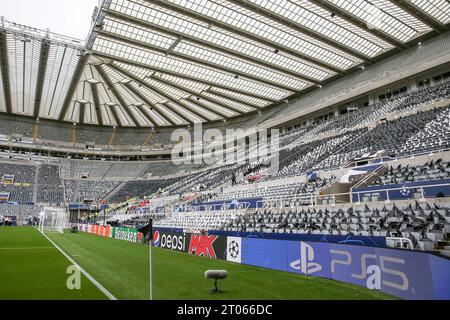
x=95, y=282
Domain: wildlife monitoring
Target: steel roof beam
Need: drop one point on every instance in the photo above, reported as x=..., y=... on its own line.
x=97, y=106
x=163, y=94
x=4, y=64
x=223, y=95
x=148, y=116
x=82, y=112
x=116, y=116
x=185, y=57
x=421, y=15
x=156, y=109
x=73, y=85
x=182, y=116
x=298, y=27
x=205, y=106
x=180, y=75
x=246, y=34
x=200, y=95
x=118, y=96
x=175, y=33
x=43, y=61
x=158, y=91
x=360, y=23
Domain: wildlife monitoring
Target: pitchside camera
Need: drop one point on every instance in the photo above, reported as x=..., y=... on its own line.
x=216, y=275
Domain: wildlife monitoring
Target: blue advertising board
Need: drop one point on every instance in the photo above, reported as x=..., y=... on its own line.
x=370, y=241
x=402, y=273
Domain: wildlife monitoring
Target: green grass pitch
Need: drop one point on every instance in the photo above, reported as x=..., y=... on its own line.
x=31, y=268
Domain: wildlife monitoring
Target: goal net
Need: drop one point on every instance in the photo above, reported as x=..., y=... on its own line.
x=53, y=219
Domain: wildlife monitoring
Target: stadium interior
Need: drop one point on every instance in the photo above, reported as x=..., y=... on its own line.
x=354, y=97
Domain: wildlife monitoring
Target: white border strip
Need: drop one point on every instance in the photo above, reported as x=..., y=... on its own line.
x=95, y=282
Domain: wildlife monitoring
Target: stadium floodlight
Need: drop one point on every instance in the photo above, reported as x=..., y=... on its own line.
x=52, y=219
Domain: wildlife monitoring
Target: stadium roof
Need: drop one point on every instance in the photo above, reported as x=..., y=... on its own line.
x=157, y=63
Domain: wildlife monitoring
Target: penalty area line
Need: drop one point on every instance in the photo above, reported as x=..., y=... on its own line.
x=87, y=275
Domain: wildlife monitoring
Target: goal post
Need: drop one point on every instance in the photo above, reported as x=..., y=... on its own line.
x=53, y=219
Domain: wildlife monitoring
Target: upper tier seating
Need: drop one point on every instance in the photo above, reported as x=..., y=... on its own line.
x=435, y=135
x=94, y=190
x=304, y=157
x=433, y=170
x=292, y=191
x=140, y=188
x=21, y=190
x=50, y=188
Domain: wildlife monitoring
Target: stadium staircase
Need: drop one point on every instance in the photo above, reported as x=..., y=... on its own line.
x=149, y=139
x=76, y=193
x=35, y=184
x=74, y=135
x=35, y=132
x=112, y=138
x=113, y=192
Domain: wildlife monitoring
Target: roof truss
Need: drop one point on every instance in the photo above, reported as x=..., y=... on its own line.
x=421, y=15
x=45, y=49
x=5, y=71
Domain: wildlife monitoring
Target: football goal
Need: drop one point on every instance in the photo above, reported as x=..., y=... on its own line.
x=53, y=219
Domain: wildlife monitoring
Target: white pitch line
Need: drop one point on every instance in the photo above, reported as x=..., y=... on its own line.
x=95, y=282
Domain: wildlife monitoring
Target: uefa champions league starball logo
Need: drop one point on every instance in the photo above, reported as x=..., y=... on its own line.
x=404, y=191
x=234, y=250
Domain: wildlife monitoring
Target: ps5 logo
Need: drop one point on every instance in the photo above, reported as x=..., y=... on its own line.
x=306, y=264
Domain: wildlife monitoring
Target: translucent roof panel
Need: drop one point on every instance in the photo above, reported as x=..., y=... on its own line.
x=90, y=115
x=241, y=18
x=316, y=19
x=73, y=113
x=386, y=16
x=195, y=107
x=83, y=95
x=162, y=63
x=2, y=96
x=236, y=105
x=140, y=116
x=172, y=65
x=170, y=114
x=192, y=85
x=240, y=66
x=246, y=99
x=142, y=34
x=107, y=115
x=61, y=66
x=23, y=58
x=158, y=17
x=438, y=9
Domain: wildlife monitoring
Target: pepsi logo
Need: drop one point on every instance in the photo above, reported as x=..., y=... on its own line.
x=156, y=239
